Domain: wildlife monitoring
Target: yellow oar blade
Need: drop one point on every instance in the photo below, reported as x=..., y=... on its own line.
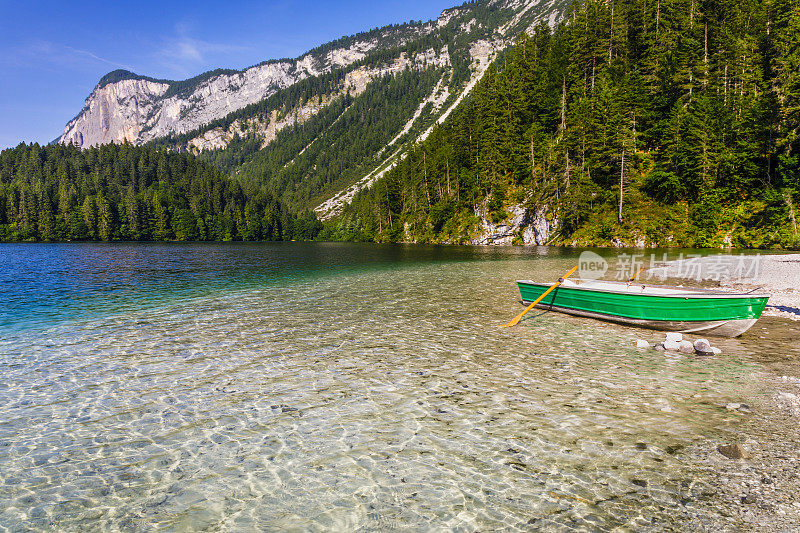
x=517, y=318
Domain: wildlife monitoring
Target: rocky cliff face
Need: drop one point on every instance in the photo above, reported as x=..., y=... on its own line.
x=136, y=109
x=355, y=82
x=523, y=226
x=115, y=112
x=139, y=110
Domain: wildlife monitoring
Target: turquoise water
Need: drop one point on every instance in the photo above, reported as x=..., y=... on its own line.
x=337, y=387
x=46, y=284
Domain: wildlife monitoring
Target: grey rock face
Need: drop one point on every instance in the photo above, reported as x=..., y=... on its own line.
x=139, y=110
x=355, y=82
x=533, y=226
x=135, y=111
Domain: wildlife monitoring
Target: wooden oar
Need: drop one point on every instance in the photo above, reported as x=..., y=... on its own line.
x=517, y=318
x=636, y=275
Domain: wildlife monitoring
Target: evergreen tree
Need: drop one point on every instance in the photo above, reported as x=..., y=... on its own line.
x=115, y=192
x=673, y=120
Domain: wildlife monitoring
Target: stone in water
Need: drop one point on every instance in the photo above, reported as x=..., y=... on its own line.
x=733, y=451
x=671, y=345
x=686, y=347
x=702, y=345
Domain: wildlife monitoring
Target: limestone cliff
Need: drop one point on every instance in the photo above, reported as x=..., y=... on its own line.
x=128, y=107
x=138, y=110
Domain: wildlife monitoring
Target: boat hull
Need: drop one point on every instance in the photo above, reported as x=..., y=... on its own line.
x=702, y=312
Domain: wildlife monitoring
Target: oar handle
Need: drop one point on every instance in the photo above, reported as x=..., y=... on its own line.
x=517, y=318
x=636, y=275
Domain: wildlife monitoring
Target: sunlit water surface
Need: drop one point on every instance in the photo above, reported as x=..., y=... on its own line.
x=336, y=386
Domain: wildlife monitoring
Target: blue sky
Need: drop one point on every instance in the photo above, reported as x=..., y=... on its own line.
x=53, y=53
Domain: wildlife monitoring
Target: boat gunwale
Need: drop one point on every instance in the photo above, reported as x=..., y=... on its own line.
x=682, y=292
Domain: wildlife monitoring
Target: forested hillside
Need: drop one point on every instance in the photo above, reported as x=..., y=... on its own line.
x=655, y=122
x=309, y=141
x=326, y=153
x=124, y=192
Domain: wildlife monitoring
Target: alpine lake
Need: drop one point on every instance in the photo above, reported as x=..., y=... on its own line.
x=352, y=387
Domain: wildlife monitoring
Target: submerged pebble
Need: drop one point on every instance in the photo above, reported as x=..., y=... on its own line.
x=733, y=451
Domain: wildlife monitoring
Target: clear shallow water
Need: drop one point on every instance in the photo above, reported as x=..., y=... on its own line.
x=336, y=386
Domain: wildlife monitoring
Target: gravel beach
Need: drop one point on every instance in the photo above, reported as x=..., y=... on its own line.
x=760, y=491
x=777, y=275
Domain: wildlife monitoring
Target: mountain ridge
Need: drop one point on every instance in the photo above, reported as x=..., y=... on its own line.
x=126, y=106
x=137, y=90
x=366, y=98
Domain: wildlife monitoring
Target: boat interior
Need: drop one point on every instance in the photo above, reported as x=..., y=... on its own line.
x=643, y=288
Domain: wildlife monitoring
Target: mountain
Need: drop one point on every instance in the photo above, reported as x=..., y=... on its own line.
x=631, y=123
x=318, y=128
x=623, y=122
x=128, y=107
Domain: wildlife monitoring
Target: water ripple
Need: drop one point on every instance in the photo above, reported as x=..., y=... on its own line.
x=372, y=399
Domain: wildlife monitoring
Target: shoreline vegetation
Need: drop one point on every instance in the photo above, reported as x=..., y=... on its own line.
x=134, y=193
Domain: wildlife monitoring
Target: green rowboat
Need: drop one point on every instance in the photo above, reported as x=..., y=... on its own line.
x=666, y=308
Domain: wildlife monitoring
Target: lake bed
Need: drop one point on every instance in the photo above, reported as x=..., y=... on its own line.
x=320, y=386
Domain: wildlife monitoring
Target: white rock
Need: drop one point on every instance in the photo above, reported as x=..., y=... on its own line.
x=702, y=345
x=673, y=336
x=732, y=406
x=671, y=345
x=716, y=350
x=659, y=347
x=686, y=347
x=640, y=343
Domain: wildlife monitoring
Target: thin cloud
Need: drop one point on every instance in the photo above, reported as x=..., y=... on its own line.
x=49, y=53
x=183, y=54
x=91, y=55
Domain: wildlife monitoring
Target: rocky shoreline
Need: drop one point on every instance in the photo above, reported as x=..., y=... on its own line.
x=756, y=476
x=777, y=275
x=759, y=489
